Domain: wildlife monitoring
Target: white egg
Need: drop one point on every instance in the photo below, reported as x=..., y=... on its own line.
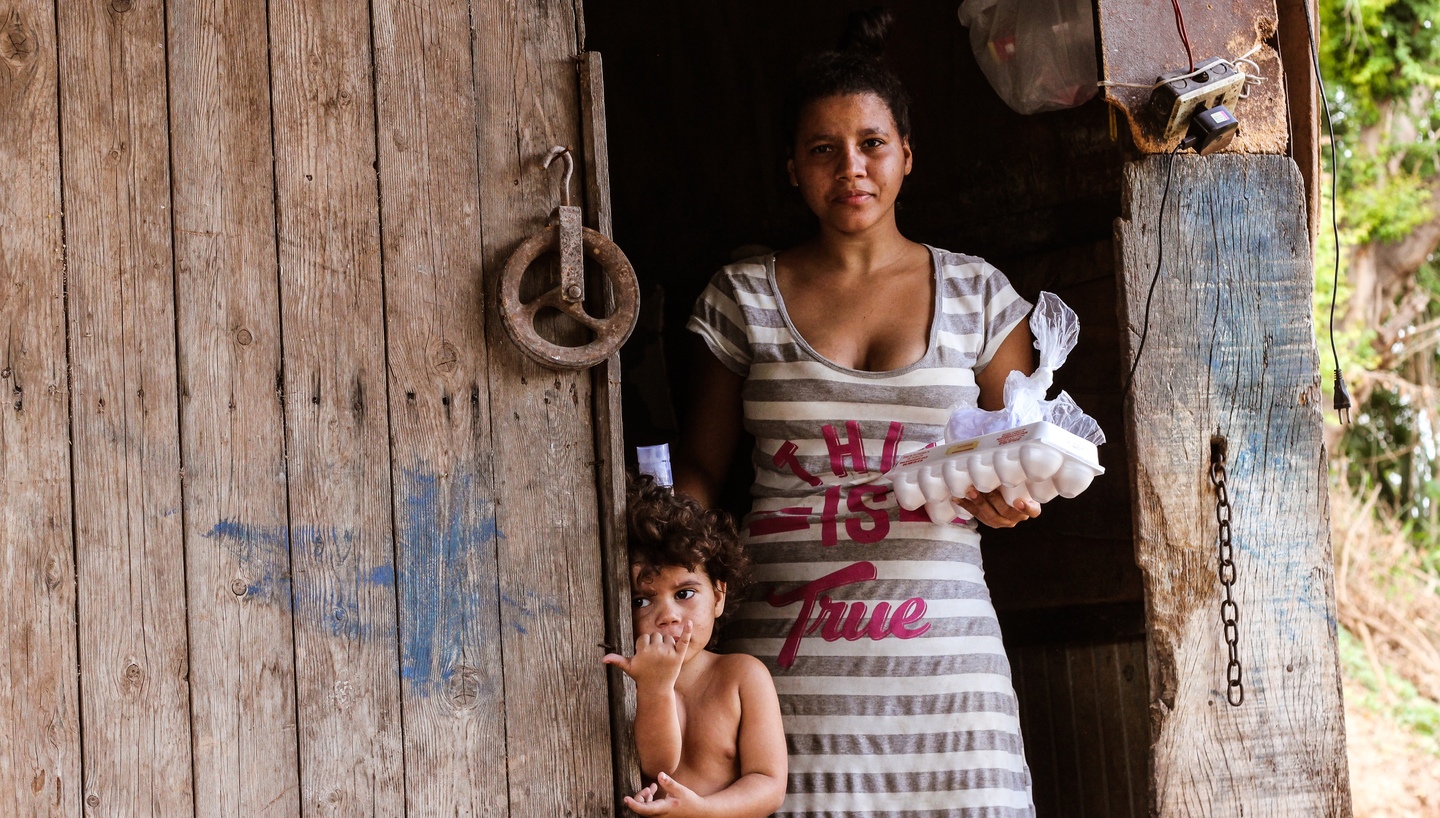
x=982, y=473
x=907, y=491
x=932, y=483
x=1015, y=492
x=1043, y=491
x=1008, y=468
x=1040, y=461
x=942, y=512
x=957, y=477
x=1073, y=478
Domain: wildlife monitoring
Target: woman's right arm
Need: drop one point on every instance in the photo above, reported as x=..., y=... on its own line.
x=711, y=431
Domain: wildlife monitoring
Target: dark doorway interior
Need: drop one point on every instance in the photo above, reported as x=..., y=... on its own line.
x=693, y=94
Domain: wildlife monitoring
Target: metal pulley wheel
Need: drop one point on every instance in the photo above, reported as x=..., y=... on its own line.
x=574, y=244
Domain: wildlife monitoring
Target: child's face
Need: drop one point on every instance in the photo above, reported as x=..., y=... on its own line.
x=667, y=598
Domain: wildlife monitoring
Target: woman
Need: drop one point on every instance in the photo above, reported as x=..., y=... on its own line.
x=839, y=355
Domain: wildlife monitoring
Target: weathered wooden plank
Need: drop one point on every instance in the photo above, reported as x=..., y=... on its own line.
x=1139, y=41
x=1077, y=707
x=232, y=444
x=1231, y=355
x=1133, y=721
x=1032, y=683
x=1302, y=96
x=610, y=448
x=595, y=143
x=1093, y=787
x=550, y=569
x=39, y=688
x=336, y=424
x=1062, y=727
x=451, y=680
x=124, y=422
x=1109, y=732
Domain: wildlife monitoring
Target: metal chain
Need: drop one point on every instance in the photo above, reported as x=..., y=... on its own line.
x=1229, y=611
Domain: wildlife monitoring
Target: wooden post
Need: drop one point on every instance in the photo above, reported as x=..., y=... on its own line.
x=1302, y=97
x=39, y=680
x=1230, y=360
x=452, y=685
x=610, y=450
x=1139, y=41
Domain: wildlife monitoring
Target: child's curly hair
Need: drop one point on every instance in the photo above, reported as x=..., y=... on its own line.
x=668, y=529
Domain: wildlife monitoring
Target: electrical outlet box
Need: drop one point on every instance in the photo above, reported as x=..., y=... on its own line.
x=1178, y=100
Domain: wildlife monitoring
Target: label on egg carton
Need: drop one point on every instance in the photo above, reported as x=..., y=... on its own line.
x=1038, y=461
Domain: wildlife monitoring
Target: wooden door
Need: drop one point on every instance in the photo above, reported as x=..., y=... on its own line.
x=290, y=527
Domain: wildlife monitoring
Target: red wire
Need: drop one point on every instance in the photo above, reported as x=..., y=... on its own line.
x=1184, y=38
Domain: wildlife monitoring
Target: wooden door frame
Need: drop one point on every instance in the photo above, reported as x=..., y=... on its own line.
x=610, y=473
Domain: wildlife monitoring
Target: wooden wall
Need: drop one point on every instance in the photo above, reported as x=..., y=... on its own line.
x=281, y=501
x=698, y=170
x=1084, y=720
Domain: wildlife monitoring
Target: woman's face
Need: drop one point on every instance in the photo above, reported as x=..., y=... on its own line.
x=849, y=161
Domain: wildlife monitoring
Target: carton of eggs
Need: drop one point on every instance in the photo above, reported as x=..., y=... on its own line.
x=1038, y=461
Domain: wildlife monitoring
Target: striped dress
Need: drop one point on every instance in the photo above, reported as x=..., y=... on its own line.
x=876, y=623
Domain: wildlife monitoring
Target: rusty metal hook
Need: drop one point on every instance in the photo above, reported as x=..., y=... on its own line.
x=573, y=242
x=561, y=150
x=567, y=216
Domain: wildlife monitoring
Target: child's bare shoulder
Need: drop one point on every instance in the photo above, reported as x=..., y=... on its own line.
x=743, y=671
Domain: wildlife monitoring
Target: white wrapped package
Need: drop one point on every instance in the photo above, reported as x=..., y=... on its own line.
x=1033, y=448
x=1038, y=461
x=1056, y=329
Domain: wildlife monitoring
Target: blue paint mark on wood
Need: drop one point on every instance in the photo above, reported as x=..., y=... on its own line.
x=264, y=556
x=446, y=576
x=381, y=575
x=263, y=552
x=449, y=587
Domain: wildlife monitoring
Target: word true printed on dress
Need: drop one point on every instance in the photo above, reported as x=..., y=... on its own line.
x=864, y=524
x=840, y=620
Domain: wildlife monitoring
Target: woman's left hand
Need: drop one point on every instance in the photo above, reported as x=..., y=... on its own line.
x=992, y=510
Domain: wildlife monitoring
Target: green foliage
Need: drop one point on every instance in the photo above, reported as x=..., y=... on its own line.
x=1381, y=63
x=1381, y=60
x=1383, y=207
x=1356, y=339
x=1386, y=451
x=1381, y=50
x=1419, y=715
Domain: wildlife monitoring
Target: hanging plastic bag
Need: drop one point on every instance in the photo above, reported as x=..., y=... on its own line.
x=1056, y=329
x=1039, y=55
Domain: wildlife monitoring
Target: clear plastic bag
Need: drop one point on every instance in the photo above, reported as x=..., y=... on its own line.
x=1056, y=329
x=1039, y=55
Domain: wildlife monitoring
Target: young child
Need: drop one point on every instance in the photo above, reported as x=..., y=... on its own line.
x=707, y=725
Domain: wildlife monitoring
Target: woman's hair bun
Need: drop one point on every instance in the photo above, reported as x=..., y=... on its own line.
x=857, y=66
x=865, y=31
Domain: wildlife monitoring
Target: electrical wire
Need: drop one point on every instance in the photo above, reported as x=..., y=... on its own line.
x=1342, y=395
x=1155, y=277
x=1180, y=27
x=1251, y=77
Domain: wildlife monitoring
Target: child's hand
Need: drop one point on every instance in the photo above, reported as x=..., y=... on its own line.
x=678, y=802
x=657, y=658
